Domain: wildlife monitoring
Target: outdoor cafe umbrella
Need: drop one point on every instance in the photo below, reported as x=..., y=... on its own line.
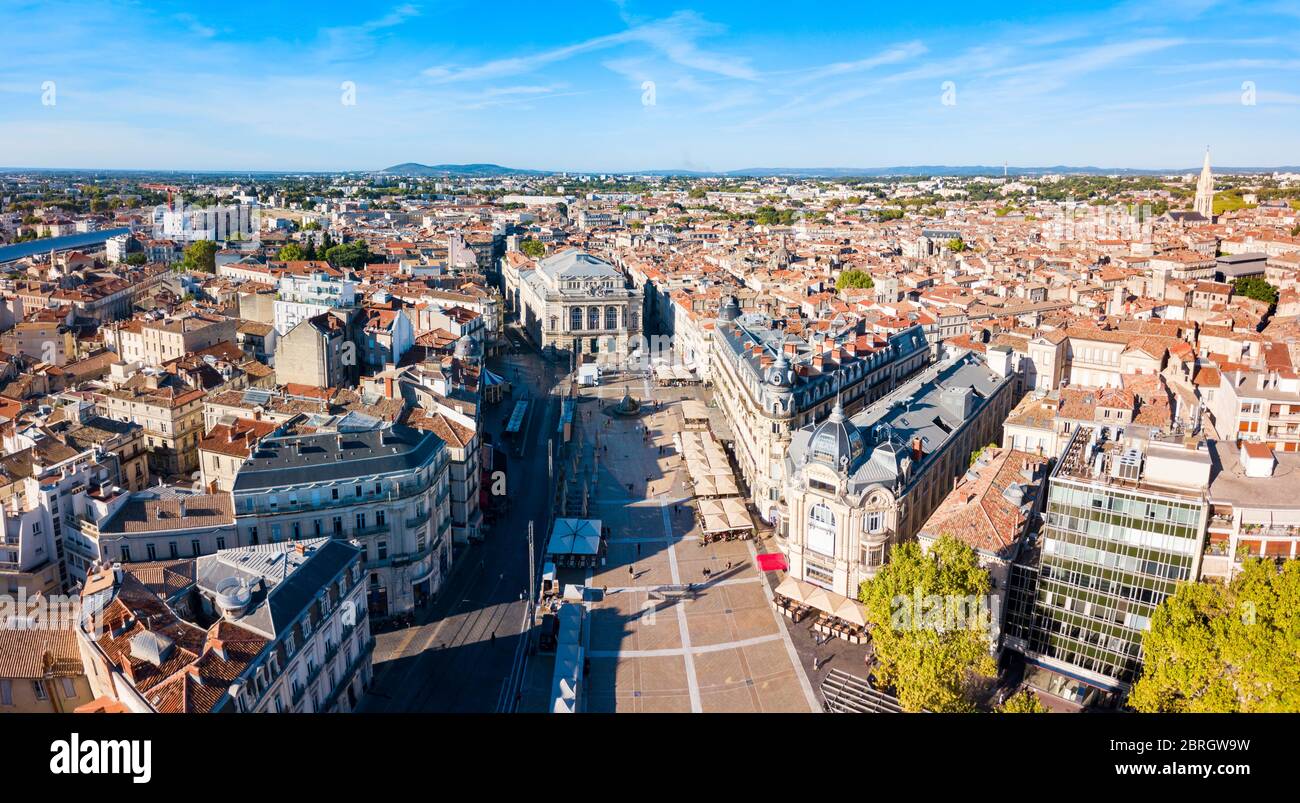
x=793, y=589
x=821, y=600
x=851, y=612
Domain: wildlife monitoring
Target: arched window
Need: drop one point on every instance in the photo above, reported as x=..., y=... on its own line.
x=593, y=318
x=611, y=317
x=821, y=530
x=634, y=321
x=575, y=318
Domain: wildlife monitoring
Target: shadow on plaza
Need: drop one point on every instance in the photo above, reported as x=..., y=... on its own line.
x=445, y=677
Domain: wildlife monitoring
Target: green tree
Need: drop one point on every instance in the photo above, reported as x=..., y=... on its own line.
x=533, y=248
x=138, y=258
x=854, y=278
x=1234, y=648
x=956, y=245
x=200, y=256
x=292, y=252
x=930, y=625
x=347, y=255
x=1023, y=702
x=1256, y=288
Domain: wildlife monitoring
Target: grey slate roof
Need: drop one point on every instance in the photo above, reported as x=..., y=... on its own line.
x=327, y=457
x=288, y=581
x=930, y=406
x=575, y=264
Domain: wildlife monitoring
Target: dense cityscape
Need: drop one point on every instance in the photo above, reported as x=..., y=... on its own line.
x=471, y=439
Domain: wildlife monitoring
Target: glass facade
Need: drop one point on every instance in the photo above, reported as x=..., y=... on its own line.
x=1109, y=555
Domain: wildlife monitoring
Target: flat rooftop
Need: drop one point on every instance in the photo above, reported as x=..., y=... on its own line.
x=1230, y=485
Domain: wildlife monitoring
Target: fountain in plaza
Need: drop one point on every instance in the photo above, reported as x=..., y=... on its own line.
x=627, y=405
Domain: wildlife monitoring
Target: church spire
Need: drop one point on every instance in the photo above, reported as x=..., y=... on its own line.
x=1205, y=189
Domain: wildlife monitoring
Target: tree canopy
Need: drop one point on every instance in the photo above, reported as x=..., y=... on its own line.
x=292, y=252
x=201, y=256
x=1234, y=648
x=1256, y=288
x=1023, y=702
x=854, y=278
x=347, y=255
x=533, y=248
x=929, y=614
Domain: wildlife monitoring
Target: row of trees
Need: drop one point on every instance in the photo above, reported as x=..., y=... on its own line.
x=1211, y=648
x=201, y=255
x=1225, y=648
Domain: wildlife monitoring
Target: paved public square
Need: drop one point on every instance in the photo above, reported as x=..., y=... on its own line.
x=665, y=636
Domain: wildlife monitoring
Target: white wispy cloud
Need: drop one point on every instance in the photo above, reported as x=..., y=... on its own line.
x=676, y=38
x=894, y=55
x=357, y=41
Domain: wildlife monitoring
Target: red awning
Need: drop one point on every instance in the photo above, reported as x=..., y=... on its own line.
x=772, y=562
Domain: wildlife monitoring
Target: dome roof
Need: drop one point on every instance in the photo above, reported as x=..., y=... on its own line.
x=730, y=309
x=837, y=442
x=779, y=373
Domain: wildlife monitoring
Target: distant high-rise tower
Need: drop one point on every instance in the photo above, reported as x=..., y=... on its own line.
x=1205, y=189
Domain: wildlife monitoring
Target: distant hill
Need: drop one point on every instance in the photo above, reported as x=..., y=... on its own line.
x=469, y=170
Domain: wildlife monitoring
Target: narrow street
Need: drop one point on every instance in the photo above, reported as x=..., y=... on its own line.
x=449, y=660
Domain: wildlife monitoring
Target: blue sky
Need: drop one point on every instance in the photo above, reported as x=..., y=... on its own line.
x=261, y=85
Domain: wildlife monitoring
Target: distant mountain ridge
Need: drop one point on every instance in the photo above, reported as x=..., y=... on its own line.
x=482, y=170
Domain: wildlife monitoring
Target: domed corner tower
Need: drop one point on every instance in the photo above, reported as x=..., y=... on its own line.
x=838, y=443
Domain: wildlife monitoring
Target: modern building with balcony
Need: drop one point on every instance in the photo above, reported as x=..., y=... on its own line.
x=306, y=296
x=1254, y=509
x=857, y=486
x=386, y=487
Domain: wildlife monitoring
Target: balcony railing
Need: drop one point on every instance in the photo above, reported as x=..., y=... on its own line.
x=374, y=529
x=418, y=519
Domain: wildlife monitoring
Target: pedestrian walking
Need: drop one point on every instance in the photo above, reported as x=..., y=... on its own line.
x=494, y=637
x=631, y=571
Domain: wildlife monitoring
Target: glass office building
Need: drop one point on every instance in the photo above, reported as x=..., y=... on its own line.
x=1125, y=523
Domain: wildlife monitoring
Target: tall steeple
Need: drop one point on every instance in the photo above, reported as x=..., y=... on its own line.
x=1205, y=189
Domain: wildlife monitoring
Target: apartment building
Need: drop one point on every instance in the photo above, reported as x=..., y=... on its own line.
x=1254, y=509
x=856, y=486
x=261, y=629
x=226, y=447
x=388, y=488
x=1262, y=406
x=993, y=508
x=155, y=343
x=171, y=413
x=460, y=433
x=41, y=509
x=28, y=563
x=162, y=523
x=771, y=383
x=302, y=297
x=319, y=352
x=41, y=671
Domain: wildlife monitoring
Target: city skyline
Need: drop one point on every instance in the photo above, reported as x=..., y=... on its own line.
x=630, y=87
